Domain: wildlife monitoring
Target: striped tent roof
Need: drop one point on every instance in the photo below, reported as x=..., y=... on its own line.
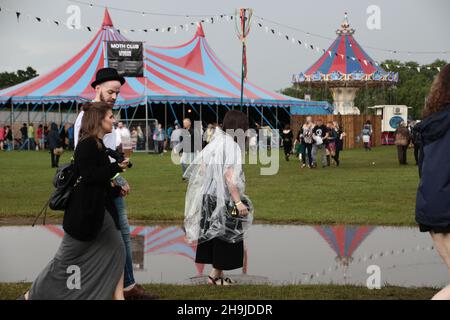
x=188, y=73
x=345, y=60
x=344, y=240
x=157, y=240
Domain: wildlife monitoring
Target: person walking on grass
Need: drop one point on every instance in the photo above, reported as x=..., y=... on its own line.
x=433, y=194
x=217, y=211
x=92, y=242
x=319, y=134
x=54, y=142
x=331, y=142
x=417, y=142
x=340, y=135
x=31, y=141
x=287, y=137
x=2, y=137
x=159, y=136
x=366, y=134
x=9, y=143
x=299, y=147
x=40, y=137
x=402, y=140
x=308, y=141
x=107, y=86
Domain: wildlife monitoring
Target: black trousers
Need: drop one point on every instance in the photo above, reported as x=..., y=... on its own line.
x=401, y=151
x=287, y=148
x=416, y=152
x=54, y=159
x=336, y=156
x=221, y=254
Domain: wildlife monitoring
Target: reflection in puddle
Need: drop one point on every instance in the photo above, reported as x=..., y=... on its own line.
x=273, y=254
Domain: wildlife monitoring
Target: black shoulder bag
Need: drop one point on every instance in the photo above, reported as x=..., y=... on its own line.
x=65, y=179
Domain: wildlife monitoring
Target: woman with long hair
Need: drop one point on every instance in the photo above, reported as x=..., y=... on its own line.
x=89, y=262
x=433, y=194
x=217, y=211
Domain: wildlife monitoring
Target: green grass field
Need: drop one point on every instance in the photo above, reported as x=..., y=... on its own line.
x=368, y=188
x=10, y=291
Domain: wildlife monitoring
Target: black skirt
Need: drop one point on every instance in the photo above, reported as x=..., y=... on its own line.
x=221, y=254
x=425, y=228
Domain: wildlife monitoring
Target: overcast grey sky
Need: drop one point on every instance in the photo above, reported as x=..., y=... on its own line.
x=406, y=25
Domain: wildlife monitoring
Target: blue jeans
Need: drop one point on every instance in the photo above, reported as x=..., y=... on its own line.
x=126, y=236
x=315, y=150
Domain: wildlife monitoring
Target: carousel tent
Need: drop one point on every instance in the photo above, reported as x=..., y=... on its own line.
x=344, y=68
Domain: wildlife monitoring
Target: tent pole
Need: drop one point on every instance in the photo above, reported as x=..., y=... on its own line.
x=12, y=123
x=248, y=116
x=262, y=116
x=217, y=114
x=147, y=135
x=165, y=116
x=60, y=114
x=45, y=115
x=200, y=107
x=276, y=118
x=28, y=119
x=134, y=115
x=184, y=115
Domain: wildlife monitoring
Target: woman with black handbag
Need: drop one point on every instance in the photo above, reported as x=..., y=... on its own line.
x=217, y=212
x=89, y=262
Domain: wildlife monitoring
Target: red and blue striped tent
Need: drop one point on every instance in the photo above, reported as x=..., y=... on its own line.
x=344, y=240
x=345, y=63
x=190, y=73
x=157, y=240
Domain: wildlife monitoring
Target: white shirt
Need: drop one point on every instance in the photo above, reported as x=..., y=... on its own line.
x=109, y=139
x=123, y=137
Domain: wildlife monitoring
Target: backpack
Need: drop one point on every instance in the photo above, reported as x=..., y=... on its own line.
x=64, y=181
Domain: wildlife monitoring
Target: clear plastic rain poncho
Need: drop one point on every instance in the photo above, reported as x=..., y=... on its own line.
x=208, y=203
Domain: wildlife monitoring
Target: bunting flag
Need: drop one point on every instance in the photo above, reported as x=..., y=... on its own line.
x=172, y=28
x=227, y=17
x=331, y=52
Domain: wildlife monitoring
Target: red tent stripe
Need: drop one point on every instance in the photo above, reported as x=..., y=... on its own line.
x=40, y=81
x=78, y=74
x=205, y=85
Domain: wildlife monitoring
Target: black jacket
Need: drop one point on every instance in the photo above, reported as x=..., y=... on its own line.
x=54, y=140
x=84, y=215
x=433, y=194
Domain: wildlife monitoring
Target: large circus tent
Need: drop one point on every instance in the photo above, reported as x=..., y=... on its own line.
x=183, y=80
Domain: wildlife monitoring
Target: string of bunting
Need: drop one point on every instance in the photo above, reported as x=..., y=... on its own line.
x=218, y=18
x=172, y=28
x=313, y=47
x=307, y=278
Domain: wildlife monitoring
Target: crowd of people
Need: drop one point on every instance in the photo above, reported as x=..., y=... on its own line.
x=315, y=141
x=217, y=211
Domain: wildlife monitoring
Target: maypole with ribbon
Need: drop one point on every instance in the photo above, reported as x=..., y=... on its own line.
x=242, y=30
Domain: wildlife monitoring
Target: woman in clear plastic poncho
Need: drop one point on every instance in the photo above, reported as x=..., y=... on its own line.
x=217, y=212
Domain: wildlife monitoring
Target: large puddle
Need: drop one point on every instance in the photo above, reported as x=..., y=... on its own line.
x=274, y=254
